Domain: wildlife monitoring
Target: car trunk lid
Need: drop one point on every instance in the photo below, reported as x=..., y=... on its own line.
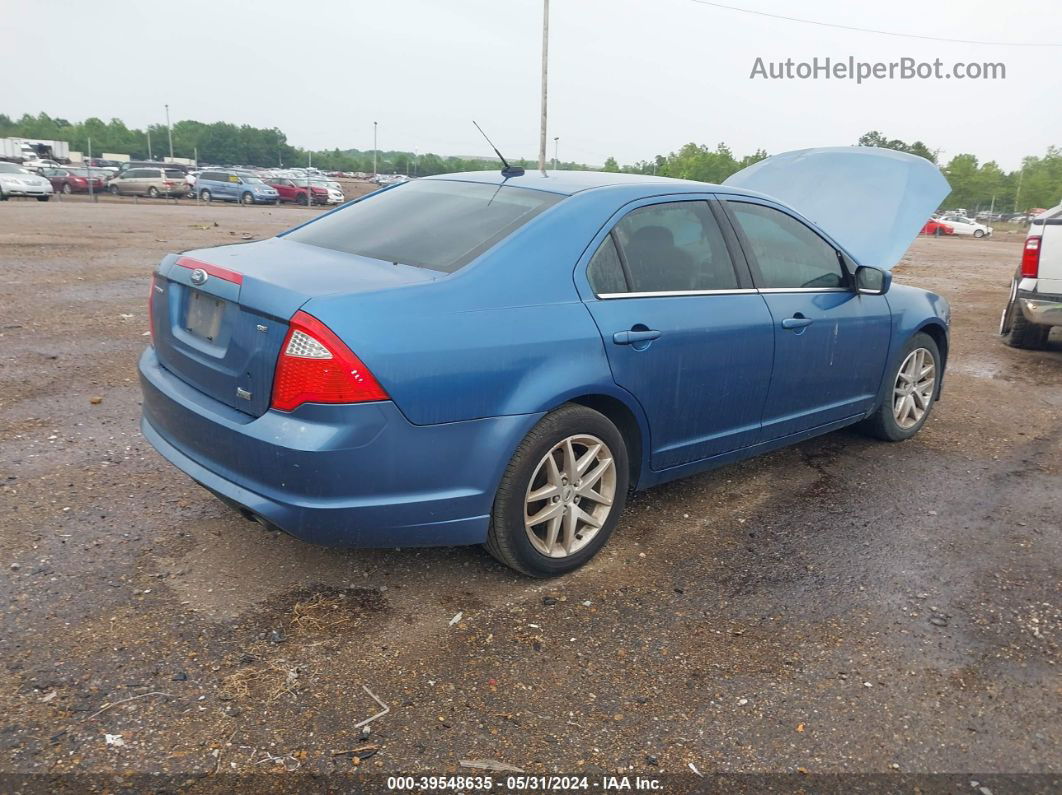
x=219, y=316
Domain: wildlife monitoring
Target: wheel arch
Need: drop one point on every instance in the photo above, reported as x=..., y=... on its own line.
x=628, y=421
x=939, y=334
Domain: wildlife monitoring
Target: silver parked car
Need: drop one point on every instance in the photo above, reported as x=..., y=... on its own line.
x=151, y=182
x=16, y=181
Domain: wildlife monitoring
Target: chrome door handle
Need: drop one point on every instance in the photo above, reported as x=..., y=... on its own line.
x=631, y=337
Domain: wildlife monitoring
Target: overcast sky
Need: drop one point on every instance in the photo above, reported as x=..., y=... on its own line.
x=628, y=78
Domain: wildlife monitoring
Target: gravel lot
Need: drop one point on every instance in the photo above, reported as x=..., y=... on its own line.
x=841, y=606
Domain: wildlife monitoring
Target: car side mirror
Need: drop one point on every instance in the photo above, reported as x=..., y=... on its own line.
x=872, y=281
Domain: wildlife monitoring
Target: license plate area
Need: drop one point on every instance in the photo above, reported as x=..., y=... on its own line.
x=204, y=316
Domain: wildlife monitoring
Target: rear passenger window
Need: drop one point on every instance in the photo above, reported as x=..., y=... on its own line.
x=788, y=253
x=675, y=247
x=605, y=272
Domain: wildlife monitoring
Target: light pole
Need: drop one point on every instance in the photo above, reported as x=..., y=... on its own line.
x=149, y=143
x=374, y=149
x=556, y=146
x=169, y=131
x=545, y=59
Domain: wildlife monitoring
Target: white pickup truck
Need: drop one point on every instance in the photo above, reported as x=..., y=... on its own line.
x=1035, y=303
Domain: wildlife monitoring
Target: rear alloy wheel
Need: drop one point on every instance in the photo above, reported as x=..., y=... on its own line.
x=562, y=494
x=247, y=198
x=67, y=189
x=909, y=393
x=204, y=195
x=153, y=192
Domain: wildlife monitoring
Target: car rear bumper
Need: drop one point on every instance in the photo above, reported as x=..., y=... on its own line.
x=1041, y=308
x=343, y=475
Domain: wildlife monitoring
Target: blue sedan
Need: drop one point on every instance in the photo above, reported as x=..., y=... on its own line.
x=492, y=359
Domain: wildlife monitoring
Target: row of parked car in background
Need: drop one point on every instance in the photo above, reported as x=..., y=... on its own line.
x=959, y=222
x=244, y=184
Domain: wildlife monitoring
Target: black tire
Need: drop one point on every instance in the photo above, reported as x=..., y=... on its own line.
x=1017, y=332
x=67, y=189
x=882, y=423
x=44, y=198
x=204, y=195
x=302, y=199
x=507, y=539
x=978, y=234
x=247, y=198
x=153, y=192
x=113, y=189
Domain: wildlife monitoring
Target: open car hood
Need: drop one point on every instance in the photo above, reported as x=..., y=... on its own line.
x=872, y=201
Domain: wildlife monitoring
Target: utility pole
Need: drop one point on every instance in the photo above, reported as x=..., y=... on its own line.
x=149, y=143
x=1017, y=193
x=545, y=60
x=556, y=146
x=374, y=149
x=169, y=132
x=92, y=194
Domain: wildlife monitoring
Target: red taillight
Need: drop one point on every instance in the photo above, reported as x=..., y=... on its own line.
x=1030, y=258
x=315, y=366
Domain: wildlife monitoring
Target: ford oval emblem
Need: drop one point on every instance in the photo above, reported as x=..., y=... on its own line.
x=199, y=276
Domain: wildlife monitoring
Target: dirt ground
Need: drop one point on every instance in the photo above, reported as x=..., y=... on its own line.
x=843, y=605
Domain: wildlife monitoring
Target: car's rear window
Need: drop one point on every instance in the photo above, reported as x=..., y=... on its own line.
x=174, y=173
x=436, y=224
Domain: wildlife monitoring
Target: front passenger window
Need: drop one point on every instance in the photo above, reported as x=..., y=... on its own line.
x=788, y=253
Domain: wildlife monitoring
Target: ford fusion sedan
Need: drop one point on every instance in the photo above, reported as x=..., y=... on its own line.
x=500, y=358
x=16, y=181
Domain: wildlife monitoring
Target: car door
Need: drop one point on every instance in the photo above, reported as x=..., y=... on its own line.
x=133, y=182
x=683, y=328
x=831, y=342
x=231, y=186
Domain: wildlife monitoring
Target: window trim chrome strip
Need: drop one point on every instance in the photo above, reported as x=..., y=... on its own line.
x=676, y=293
x=805, y=290
x=735, y=291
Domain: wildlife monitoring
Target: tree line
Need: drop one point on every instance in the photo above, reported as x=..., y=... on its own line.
x=223, y=143
x=975, y=185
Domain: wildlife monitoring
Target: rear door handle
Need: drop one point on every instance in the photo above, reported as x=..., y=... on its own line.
x=632, y=337
x=797, y=322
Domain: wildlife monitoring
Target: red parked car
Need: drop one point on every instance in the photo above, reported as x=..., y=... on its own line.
x=938, y=228
x=74, y=180
x=291, y=190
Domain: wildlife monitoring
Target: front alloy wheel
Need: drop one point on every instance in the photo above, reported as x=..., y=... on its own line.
x=907, y=396
x=916, y=383
x=562, y=493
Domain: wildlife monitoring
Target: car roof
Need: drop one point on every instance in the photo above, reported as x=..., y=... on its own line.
x=569, y=182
